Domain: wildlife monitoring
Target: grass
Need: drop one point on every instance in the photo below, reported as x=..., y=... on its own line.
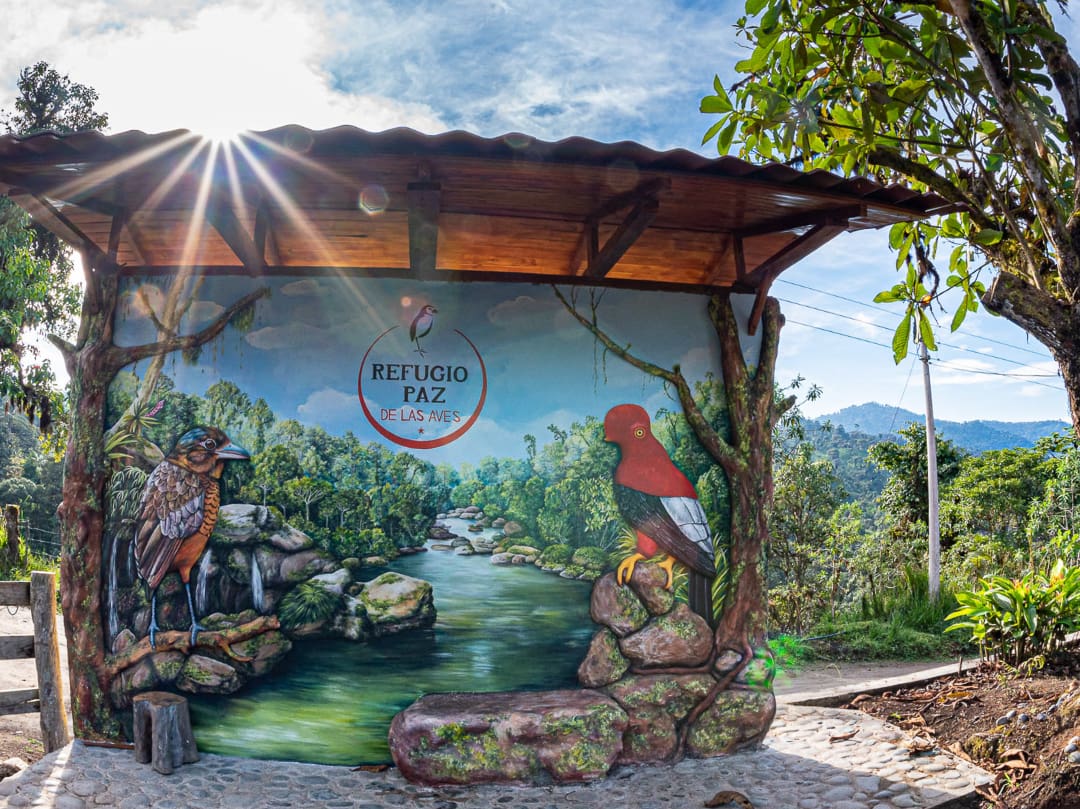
x=906, y=625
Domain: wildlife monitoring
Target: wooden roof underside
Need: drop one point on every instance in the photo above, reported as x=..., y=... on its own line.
x=446, y=206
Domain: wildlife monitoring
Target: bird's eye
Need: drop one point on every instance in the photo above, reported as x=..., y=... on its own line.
x=210, y=443
x=639, y=432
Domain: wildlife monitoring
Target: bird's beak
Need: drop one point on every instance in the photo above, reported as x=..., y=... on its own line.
x=233, y=451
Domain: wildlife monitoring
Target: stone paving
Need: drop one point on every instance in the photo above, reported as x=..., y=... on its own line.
x=798, y=767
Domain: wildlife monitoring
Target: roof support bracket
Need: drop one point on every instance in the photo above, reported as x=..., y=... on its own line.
x=423, y=199
x=265, y=243
x=220, y=214
x=762, y=278
x=644, y=204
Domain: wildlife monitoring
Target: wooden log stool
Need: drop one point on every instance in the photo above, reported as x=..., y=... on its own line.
x=163, y=731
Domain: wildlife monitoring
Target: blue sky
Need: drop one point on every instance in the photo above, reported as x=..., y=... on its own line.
x=626, y=70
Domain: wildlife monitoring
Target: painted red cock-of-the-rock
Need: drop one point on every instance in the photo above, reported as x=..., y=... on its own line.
x=660, y=504
x=178, y=511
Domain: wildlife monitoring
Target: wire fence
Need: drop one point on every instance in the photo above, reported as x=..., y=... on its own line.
x=40, y=541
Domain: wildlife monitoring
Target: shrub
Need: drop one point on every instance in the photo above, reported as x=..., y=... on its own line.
x=1019, y=619
x=308, y=603
x=556, y=554
x=589, y=556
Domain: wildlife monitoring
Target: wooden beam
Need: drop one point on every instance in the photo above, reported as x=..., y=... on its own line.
x=50, y=217
x=220, y=214
x=16, y=647
x=423, y=199
x=833, y=217
x=794, y=251
x=265, y=241
x=15, y=593
x=116, y=230
x=19, y=700
x=761, y=279
x=136, y=243
x=623, y=238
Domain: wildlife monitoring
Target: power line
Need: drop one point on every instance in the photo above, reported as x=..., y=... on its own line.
x=1030, y=378
x=888, y=329
x=876, y=307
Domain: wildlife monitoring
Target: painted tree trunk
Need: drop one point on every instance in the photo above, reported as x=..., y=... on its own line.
x=82, y=513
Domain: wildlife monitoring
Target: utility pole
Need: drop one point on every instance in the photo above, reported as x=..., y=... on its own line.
x=931, y=481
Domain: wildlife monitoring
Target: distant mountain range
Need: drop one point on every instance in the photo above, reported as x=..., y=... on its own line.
x=974, y=436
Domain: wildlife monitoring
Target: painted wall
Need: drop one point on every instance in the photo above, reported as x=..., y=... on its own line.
x=417, y=485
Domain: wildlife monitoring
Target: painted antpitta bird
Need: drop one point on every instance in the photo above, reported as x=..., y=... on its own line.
x=178, y=511
x=660, y=504
x=421, y=325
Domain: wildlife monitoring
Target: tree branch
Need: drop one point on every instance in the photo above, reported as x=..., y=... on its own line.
x=1023, y=134
x=922, y=173
x=220, y=640
x=721, y=451
x=125, y=356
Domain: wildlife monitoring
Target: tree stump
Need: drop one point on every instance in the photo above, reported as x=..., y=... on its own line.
x=163, y=731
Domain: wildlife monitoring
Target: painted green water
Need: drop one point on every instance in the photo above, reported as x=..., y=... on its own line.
x=498, y=628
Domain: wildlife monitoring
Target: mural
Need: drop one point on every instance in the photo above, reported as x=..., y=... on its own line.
x=367, y=490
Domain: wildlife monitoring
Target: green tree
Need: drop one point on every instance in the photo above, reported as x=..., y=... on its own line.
x=905, y=500
x=807, y=493
x=992, y=492
x=36, y=293
x=307, y=492
x=976, y=101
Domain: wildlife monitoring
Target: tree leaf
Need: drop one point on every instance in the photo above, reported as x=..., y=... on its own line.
x=987, y=236
x=901, y=338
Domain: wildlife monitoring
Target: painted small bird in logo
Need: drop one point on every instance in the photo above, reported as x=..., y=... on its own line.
x=421, y=325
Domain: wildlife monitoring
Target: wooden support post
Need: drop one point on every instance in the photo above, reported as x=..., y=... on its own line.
x=163, y=731
x=11, y=526
x=54, y=727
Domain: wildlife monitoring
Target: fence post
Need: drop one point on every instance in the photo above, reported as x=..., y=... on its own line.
x=11, y=526
x=54, y=729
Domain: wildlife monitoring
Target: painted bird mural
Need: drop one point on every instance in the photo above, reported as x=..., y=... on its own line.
x=421, y=325
x=660, y=504
x=178, y=510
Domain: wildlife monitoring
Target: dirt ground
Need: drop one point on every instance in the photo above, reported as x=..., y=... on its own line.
x=1021, y=728
x=20, y=734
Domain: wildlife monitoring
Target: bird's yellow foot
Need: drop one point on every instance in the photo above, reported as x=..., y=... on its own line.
x=626, y=568
x=666, y=566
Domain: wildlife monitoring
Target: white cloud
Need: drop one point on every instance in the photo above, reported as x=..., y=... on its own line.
x=330, y=406
x=275, y=337
x=308, y=286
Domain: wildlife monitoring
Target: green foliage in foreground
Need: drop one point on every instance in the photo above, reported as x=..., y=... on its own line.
x=1017, y=620
x=308, y=603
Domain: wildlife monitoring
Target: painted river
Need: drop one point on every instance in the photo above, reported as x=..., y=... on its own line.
x=499, y=628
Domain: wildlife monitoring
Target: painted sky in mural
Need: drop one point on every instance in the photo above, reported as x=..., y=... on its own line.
x=305, y=347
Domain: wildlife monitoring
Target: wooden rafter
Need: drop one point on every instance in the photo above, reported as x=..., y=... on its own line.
x=803, y=219
x=116, y=231
x=423, y=198
x=644, y=205
x=220, y=214
x=265, y=240
x=762, y=278
x=46, y=214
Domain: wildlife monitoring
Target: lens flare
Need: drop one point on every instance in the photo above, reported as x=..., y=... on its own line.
x=374, y=199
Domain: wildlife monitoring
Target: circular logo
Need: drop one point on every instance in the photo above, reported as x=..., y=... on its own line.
x=422, y=394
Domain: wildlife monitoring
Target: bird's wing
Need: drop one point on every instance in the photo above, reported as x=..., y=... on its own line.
x=676, y=524
x=173, y=508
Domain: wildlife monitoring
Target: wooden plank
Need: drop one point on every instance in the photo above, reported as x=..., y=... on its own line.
x=16, y=697
x=15, y=593
x=16, y=647
x=54, y=728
